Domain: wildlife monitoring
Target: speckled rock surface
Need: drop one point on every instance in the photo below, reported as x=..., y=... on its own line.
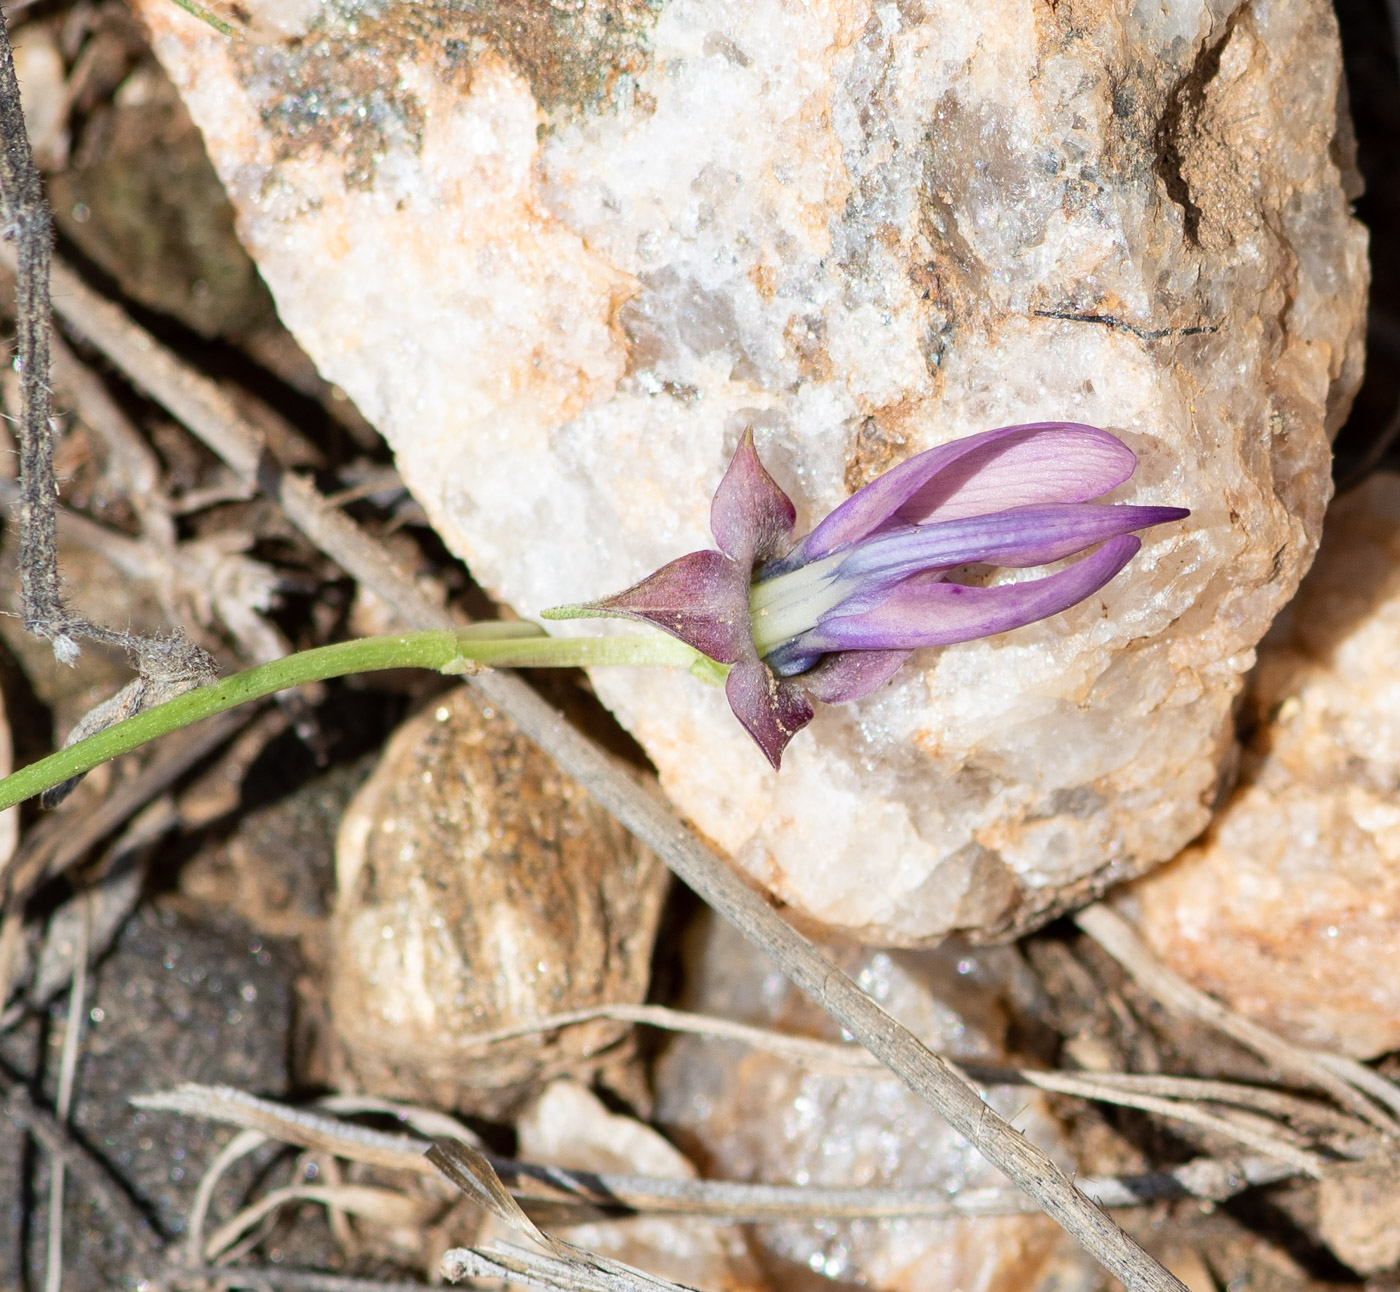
x=562, y=255
x=479, y=887
x=744, y=1115
x=1288, y=907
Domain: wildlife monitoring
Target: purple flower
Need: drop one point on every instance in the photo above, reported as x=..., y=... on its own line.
x=834, y=616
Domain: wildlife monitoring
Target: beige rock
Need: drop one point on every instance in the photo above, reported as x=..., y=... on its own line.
x=744, y=1115
x=479, y=887
x=1287, y=909
x=568, y=1126
x=1358, y=1212
x=562, y=255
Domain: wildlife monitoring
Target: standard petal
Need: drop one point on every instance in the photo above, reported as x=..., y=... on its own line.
x=848, y=675
x=1052, y=462
x=928, y=611
x=750, y=517
x=772, y=710
x=1020, y=537
x=702, y=598
x=1014, y=466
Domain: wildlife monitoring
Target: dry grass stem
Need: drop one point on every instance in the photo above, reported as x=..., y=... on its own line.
x=299, y=1126
x=585, y=1273
x=1149, y=1092
x=132, y=466
x=207, y=411
x=535, y=1185
x=235, y=1150
x=68, y=1067
x=1229, y=1125
x=1380, y=1088
x=824, y=1056
x=11, y=931
x=429, y=1122
x=471, y=1171
x=387, y=1206
x=260, y=1277
x=1112, y=932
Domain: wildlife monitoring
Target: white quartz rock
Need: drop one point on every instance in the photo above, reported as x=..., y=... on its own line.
x=561, y=255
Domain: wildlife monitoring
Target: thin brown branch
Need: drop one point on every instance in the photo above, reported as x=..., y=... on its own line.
x=28, y=224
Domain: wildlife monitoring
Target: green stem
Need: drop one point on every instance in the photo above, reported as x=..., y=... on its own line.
x=447, y=652
x=203, y=14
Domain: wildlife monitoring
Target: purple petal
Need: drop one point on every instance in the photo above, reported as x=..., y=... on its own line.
x=772, y=710
x=1020, y=537
x=750, y=517
x=848, y=675
x=928, y=611
x=1055, y=463
x=1014, y=466
x=702, y=598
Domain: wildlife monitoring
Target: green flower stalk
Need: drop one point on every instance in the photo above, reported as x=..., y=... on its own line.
x=496, y=645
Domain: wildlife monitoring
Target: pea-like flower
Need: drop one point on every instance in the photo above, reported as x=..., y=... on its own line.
x=833, y=616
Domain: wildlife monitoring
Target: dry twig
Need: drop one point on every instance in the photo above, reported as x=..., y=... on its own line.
x=167, y=665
